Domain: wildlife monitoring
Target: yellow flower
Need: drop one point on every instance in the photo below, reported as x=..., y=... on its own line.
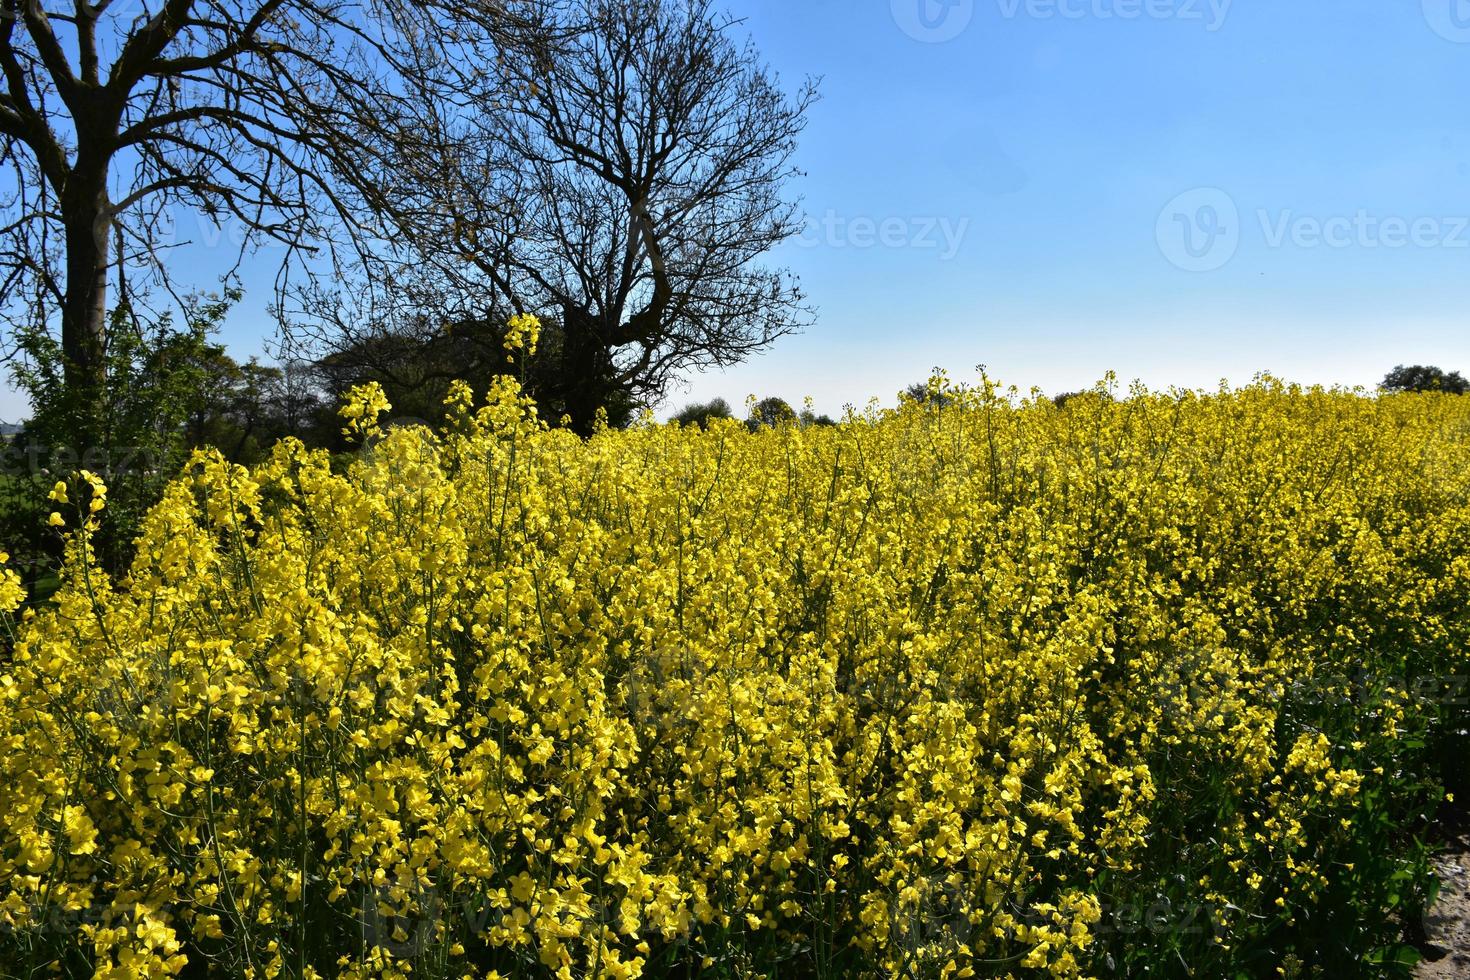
x=522, y=333
x=922, y=692
x=361, y=408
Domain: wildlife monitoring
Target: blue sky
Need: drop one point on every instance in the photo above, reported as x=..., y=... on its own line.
x=1177, y=190
x=1075, y=142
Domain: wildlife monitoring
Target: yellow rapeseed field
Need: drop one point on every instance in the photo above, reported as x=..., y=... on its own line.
x=980, y=686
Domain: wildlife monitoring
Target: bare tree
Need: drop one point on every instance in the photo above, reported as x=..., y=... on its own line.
x=621, y=172
x=113, y=112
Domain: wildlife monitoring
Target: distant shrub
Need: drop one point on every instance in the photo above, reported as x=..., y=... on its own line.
x=1421, y=377
x=1060, y=401
x=700, y=413
x=771, y=412
x=928, y=393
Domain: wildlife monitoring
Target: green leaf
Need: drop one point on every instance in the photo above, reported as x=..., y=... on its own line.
x=1398, y=954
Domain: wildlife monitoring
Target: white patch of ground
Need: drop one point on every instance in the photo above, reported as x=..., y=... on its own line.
x=1447, y=924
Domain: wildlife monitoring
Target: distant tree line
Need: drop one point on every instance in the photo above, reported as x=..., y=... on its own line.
x=766, y=413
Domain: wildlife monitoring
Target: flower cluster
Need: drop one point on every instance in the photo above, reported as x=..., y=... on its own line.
x=931, y=693
x=522, y=333
x=361, y=408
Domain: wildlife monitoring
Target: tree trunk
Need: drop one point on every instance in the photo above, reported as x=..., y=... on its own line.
x=583, y=369
x=84, y=310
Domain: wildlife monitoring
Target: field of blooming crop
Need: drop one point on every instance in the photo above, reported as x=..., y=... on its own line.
x=1145, y=685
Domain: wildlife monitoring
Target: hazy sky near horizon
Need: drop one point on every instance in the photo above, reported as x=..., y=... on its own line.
x=1176, y=190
